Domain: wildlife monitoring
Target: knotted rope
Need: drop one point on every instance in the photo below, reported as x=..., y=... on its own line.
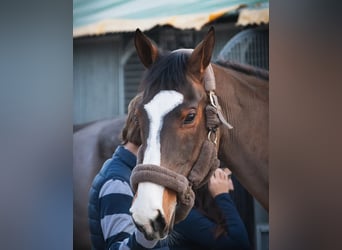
x=210, y=86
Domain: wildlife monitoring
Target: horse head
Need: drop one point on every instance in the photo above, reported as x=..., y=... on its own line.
x=175, y=155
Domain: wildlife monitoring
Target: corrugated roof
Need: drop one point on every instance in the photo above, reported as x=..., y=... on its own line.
x=105, y=16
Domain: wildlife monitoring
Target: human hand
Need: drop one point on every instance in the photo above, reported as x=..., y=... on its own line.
x=229, y=174
x=219, y=183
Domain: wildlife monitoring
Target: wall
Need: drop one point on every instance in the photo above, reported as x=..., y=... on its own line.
x=96, y=78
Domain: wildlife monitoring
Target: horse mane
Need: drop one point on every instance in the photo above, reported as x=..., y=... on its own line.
x=169, y=72
x=243, y=68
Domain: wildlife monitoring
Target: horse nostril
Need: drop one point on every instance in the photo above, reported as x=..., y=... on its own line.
x=142, y=229
x=139, y=227
x=159, y=224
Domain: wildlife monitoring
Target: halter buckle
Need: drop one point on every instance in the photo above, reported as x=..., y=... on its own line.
x=210, y=138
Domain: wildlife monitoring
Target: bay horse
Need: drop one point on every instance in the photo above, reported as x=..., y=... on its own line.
x=93, y=144
x=172, y=120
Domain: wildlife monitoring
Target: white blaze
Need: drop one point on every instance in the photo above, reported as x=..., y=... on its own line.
x=149, y=195
x=156, y=109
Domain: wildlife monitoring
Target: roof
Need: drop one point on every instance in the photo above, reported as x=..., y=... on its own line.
x=106, y=16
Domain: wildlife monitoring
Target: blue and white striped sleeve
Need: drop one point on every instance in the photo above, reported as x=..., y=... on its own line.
x=118, y=229
x=115, y=199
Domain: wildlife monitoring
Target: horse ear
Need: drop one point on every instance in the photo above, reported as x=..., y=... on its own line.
x=201, y=56
x=146, y=49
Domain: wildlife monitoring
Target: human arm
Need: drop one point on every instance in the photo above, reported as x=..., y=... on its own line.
x=199, y=229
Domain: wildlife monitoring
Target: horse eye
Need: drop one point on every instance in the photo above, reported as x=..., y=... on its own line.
x=189, y=118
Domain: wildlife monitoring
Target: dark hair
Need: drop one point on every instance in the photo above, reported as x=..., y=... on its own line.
x=169, y=72
x=131, y=130
x=206, y=205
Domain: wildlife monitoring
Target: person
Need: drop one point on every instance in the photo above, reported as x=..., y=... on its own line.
x=110, y=196
x=213, y=222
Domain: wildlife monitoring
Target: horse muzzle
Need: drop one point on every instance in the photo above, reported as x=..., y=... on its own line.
x=156, y=229
x=164, y=197
x=153, y=210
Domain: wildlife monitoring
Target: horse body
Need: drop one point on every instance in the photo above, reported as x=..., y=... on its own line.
x=172, y=120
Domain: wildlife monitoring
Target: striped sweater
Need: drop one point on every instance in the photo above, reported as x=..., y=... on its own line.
x=110, y=197
x=111, y=225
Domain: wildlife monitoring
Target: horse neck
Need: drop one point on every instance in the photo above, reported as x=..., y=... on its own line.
x=244, y=102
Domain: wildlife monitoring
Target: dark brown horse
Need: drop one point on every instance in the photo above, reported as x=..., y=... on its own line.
x=172, y=119
x=93, y=143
